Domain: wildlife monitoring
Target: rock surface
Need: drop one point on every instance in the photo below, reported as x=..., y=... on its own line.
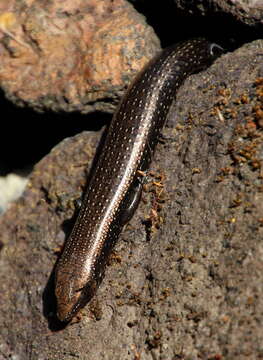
x=245, y=11
x=71, y=56
x=185, y=280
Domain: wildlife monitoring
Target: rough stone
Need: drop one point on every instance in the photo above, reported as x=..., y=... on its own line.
x=185, y=280
x=71, y=56
x=245, y=11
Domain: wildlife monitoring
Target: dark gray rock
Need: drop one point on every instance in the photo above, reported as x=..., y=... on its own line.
x=185, y=280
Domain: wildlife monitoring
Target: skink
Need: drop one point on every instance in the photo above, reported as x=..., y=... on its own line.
x=114, y=190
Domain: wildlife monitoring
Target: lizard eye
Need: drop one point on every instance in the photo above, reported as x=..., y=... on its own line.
x=215, y=50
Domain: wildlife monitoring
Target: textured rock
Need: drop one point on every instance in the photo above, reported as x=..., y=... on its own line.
x=186, y=277
x=246, y=11
x=71, y=56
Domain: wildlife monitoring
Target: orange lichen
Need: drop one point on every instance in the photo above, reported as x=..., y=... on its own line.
x=7, y=22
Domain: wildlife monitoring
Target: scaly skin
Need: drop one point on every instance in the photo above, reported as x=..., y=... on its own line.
x=129, y=146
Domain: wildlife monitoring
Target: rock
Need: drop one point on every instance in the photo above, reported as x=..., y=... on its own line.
x=245, y=11
x=185, y=280
x=71, y=56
